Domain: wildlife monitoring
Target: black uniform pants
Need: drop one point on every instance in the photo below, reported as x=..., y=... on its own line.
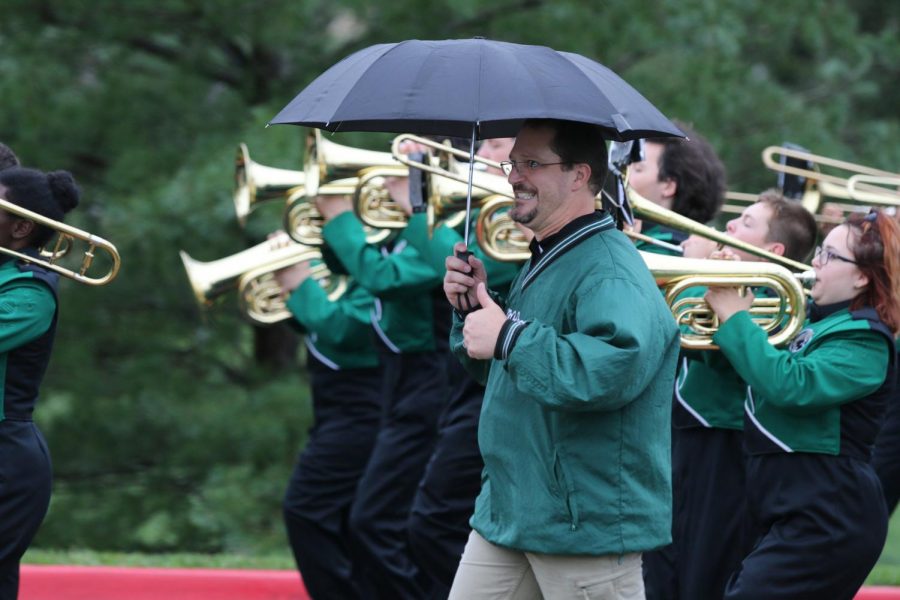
x=710, y=531
x=822, y=523
x=346, y=416
x=439, y=521
x=25, y=482
x=415, y=393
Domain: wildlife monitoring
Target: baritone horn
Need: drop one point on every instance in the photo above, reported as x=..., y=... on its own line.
x=255, y=183
x=303, y=221
x=251, y=272
x=66, y=236
x=781, y=316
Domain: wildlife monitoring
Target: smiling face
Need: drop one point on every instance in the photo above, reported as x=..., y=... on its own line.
x=543, y=200
x=837, y=280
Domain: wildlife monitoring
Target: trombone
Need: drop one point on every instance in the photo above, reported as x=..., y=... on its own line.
x=251, y=272
x=255, y=183
x=833, y=186
x=66, y=235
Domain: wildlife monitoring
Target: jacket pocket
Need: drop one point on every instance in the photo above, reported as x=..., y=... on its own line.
x=566, y=483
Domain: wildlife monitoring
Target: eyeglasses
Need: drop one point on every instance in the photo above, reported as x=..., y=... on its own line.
x=823, y=256
x=526, y=166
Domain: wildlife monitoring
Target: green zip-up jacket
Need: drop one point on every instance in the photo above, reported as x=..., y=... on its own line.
x=338, y=333
x=798, y=397
x=575, y=424
x=662, y=233
x=400, y=280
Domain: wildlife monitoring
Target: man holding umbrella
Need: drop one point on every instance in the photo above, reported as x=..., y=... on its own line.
x=579, y=362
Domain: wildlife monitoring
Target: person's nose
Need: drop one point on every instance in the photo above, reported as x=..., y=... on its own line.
x=514, y=176
x=730, y=226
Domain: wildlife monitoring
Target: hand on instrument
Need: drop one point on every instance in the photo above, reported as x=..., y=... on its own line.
x=697, y=246
x=279, y=239
x=726, y=301
x=398, y=188
x=724, y=254
x=332, y=206
x=482, y=327
x=290, y=278
x=461, y=279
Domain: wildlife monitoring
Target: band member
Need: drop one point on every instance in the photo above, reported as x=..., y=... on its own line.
x=439, y=520
x=8, y=158
x=683, y=175
x=345, y=381
x=710, y=535
x=812, y=412
x=29, y=315
x=579, y=361
x=411, y=322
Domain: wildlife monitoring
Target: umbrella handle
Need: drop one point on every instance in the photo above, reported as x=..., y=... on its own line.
x=465, y=307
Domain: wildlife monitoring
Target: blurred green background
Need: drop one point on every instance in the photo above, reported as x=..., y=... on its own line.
x=174, y=430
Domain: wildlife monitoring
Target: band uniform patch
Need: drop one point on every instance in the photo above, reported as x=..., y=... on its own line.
x=801, y=340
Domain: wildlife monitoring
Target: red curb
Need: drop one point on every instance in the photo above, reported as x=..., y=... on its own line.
x=120, y=583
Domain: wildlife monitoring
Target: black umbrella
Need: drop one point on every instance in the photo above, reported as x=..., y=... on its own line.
x=472, y=88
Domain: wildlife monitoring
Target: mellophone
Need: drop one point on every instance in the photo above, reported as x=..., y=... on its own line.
x=335, y=169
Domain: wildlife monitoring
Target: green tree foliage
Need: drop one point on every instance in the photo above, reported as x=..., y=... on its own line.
x=166, y=433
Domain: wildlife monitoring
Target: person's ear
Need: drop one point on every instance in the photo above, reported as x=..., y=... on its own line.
x=669, y=188
x=582, y=176
x=22, y=228
x=862, y=280
x=775, y=248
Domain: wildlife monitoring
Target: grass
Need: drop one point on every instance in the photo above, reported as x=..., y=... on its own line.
x=886, y=572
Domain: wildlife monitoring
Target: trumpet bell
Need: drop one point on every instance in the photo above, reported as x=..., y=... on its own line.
x=255, y=184
x=327, y=161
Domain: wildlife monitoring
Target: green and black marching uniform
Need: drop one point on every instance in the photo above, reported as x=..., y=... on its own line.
x=439, y=519
x=662, y=233
x=812, y=413
x=410, y=317
x=345, y=382
x=710, y=530
x=28, y=315
x=576, y=417
x=886, y=458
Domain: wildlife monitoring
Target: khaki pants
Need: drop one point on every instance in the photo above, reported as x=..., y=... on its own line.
x=490, y=572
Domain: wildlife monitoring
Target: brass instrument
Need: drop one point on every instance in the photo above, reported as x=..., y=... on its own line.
x=892, y=196
x=372, y=202
x=821, y=184
x=741, y=200
x=66, y=236
x=304, y=223
x=251, y=272
x=781, y=317
x=327, y=161
x=255, y=183
x=646, y=209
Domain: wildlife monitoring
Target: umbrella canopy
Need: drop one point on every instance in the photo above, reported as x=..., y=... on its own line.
x=472, y=87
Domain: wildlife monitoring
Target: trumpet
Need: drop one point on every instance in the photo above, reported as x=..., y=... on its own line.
x=327, y=161
x=781, y=317
x=821, y=184
x=303, y=221
x=66, y=236
x=255, y=183
x=251, y=272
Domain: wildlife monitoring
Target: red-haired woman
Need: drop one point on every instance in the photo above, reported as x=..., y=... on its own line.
x=812, y=413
